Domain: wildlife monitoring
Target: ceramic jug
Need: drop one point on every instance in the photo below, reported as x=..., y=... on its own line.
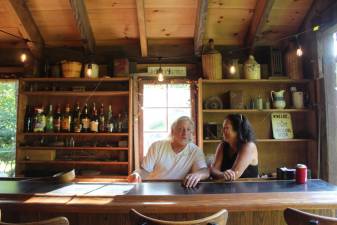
x=252, y=69
x=277, y=98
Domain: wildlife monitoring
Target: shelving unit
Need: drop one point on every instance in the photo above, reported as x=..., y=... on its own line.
x=273, y=153
x=107, y=155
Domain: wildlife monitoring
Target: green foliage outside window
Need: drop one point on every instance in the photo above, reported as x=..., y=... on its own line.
x=8, y=101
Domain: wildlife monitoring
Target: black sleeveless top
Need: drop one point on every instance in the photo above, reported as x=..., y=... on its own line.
x=228, y=161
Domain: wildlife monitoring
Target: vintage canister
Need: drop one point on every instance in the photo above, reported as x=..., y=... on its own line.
x=301, y=174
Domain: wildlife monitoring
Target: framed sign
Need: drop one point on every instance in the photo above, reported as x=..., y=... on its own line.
x=282, y=126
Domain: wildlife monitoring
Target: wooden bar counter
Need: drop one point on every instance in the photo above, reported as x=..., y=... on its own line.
x=248, y=202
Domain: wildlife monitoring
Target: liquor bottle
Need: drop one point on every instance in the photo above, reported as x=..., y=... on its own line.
x=94, y=119
x=110, y=126
x=119, y=123
x=85, y=120
x=57, y=119
x=49, y=119
x=76, y=123
x=101, y=119
x=66, y=120
x=39, y=120
x=28, y=121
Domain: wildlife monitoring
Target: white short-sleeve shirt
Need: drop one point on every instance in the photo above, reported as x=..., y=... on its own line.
x=161, y=162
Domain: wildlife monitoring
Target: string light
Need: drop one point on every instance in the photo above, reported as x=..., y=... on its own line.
x=23, y=57
x=232, y=69
x=89, y=70
x=299, y=51
x=160, y=74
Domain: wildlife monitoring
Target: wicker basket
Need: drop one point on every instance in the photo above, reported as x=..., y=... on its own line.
x=212, y=66
x=71, y=69
x=212, y=63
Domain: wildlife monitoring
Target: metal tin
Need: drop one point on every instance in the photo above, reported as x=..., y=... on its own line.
x=301, y=174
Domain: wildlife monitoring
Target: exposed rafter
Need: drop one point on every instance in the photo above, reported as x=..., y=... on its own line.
x=142, y=27
x=27, y=26
x=83, y=24
x=200, y=26
x=262, y=10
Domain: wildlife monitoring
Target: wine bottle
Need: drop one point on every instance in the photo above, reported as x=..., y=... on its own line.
x=57, y=119
x=50, y=119
x=66, y=120
x=94, y=119
x=28, y=121
x=76, y=123
x=85, y=120
x=101, y=121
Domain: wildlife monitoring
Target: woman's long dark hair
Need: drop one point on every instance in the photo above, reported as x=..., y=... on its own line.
x=242, y=126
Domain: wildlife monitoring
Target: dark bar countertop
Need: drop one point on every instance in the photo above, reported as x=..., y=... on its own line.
x=164, y=197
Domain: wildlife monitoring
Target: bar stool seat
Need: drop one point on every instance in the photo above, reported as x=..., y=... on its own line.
x=219, y=218
x=54, y=221
x=298, y=217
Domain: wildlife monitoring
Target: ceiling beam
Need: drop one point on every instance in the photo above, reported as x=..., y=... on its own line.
x=260, y=17
x=200, y=26
x=83, y=25
x=27, y=26
x=142, y=27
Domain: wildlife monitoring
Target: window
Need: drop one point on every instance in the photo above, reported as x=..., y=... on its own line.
x=8, y=101
x=162, y=104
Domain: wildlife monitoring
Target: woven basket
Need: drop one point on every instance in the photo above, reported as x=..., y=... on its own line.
x=212, y=66
x=71, y=69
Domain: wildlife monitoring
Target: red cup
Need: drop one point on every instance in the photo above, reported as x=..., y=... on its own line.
x=301, y=174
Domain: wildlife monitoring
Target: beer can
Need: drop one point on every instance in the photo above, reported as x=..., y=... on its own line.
x=301, y=174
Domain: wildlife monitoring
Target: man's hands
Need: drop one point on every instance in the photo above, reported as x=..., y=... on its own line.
x=192, y=179
x=134, y=178
x=229, y=175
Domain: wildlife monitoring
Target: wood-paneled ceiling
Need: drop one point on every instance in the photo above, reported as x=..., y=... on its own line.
x=100, y=23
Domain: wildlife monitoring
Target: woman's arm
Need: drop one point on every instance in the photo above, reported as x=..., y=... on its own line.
x=216, y=167
x=247, y=155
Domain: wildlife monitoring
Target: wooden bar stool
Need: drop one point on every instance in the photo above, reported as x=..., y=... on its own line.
x=297, y=217
x=219, y=218
x=54, y=221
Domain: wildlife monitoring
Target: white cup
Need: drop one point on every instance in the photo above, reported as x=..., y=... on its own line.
x=298, y=99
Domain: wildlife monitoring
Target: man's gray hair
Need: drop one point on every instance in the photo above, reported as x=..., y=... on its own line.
x=182, y=119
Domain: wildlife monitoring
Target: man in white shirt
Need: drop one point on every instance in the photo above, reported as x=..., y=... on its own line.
x=177, y=158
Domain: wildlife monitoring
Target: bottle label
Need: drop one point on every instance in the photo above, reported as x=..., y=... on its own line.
x=94, y=126
x=110, y=127
x=65, y=124
x=85, y=123
x=40, y=123
x=57, y=125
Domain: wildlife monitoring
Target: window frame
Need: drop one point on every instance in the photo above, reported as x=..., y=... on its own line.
x=141, y=84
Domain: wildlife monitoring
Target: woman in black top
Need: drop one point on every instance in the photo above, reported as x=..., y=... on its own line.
x=236, y=156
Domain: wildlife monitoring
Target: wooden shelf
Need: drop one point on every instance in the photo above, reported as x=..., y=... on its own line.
x=76, y=93
x=261, y=81
x=75, y=134
x=48, y=79
x=267, y=140
x=72, y=162
x=74, y=148
x=255, y=110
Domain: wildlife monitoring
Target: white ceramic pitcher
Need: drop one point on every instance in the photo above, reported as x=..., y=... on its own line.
x=278, y=99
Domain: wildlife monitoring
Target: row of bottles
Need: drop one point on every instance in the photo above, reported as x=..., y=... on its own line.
x=36, y=120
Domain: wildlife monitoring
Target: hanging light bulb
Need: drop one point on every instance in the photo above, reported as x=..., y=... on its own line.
x=23, y=57
x=160, y=75
x=89, y=70
x=299, y=51
x=232, y=69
